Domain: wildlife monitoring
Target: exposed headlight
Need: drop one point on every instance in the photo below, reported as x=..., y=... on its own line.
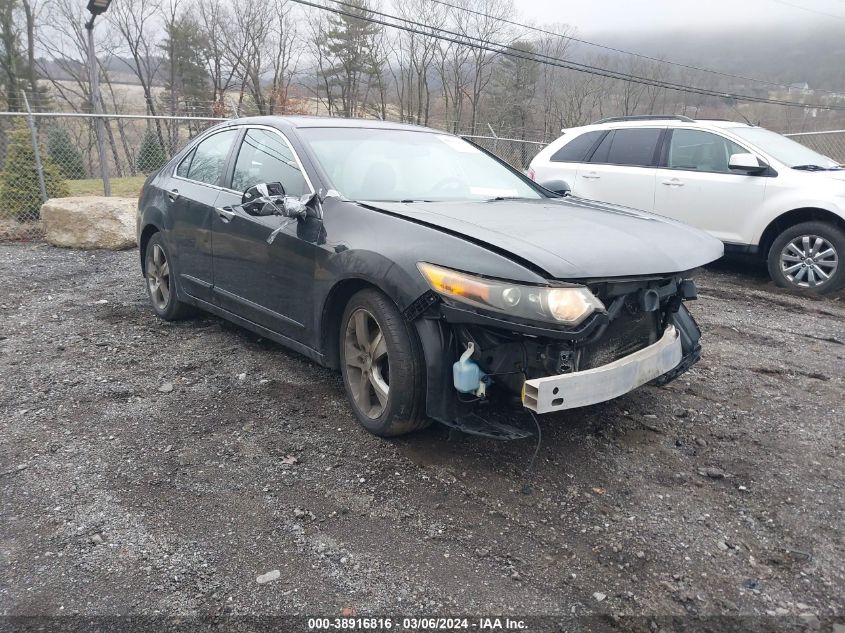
x=566, y=305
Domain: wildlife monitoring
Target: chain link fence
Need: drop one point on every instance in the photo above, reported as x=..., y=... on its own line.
x=54, y=155
x=830, y=143
x=516, y=152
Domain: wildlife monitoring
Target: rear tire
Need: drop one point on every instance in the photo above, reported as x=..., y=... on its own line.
x=160, y=280
x=809, y=257
x=382, y=365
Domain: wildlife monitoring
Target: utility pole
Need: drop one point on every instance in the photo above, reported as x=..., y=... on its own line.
x=96, y=7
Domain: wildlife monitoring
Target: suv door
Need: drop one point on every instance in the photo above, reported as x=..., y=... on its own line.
x=192, y=192
x=268, y=284
x=563, y=164
x=622, y=168
x=695, y=185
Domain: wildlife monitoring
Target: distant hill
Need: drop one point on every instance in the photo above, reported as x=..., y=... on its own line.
x=119, y=69
x=786, y=55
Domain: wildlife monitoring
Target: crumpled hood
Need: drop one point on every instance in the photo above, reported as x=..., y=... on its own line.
x=571, y=238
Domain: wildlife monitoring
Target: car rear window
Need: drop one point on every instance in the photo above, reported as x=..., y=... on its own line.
x=575, y=151
x=634, y=146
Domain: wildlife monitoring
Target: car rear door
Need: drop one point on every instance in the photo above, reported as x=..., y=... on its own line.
x=192, y=193
x=622, y=168
x=270, y=284
x=562, y=164
x=695, y=185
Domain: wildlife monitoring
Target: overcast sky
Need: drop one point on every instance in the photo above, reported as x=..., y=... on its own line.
x=603, y=16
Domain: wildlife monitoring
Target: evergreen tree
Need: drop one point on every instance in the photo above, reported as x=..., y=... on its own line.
x=186, y=85
x=65, y=154
x=349, y=42
x=150, y=155
x=514, y=88
x=20, y=194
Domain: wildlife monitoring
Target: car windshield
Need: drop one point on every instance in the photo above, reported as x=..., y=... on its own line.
x=784, y=149
x=404, y=165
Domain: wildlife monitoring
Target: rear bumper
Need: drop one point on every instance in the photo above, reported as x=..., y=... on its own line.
x=582, y=388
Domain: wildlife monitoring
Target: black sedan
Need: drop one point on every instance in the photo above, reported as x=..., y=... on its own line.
x=437, y=278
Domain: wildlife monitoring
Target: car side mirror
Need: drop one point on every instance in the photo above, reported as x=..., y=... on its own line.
x=558, y=186
x=747, y=163
x=269, y=199
x=262, y=190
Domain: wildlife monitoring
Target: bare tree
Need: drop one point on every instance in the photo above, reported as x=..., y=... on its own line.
x=223, y=53
x=61, y=35
x=418, y=54
x=268, y=57
x=486, y=24
x=139, y=35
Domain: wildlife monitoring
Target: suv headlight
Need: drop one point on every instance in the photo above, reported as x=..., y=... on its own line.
x=566, y=305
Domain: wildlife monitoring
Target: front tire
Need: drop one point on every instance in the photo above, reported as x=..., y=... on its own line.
x=809, y=257
x=382, y=365
x=161, y=282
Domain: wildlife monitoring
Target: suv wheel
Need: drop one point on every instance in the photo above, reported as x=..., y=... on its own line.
x=809, y=256
x=161, y=282
x=382, y=366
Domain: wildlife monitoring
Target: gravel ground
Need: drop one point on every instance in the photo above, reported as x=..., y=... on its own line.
x=157, y=468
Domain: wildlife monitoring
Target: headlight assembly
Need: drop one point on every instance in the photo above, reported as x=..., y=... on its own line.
x=565, y=305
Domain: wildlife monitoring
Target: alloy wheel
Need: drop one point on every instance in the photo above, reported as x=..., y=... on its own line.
x=809, y=261
x=158, y=277
x=367, y=366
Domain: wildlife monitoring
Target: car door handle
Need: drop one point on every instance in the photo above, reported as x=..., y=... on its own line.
x=674, y=182
x=173, y=194
x=226, y=215
x=592, y=176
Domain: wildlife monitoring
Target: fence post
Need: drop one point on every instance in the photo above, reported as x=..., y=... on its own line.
x=39, y=167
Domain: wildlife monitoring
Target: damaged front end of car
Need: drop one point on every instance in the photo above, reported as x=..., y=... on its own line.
x=547, y=348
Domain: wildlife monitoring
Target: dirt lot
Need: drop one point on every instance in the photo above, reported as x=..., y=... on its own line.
x=148, y=467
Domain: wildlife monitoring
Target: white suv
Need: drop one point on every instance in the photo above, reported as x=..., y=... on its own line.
x=757, y=191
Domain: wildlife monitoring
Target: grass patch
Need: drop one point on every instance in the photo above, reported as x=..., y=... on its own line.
x=128, y=186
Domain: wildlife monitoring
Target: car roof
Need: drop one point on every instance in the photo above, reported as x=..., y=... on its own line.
x=299, y=122
x=659, y=122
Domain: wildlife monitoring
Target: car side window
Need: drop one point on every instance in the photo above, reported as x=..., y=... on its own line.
x=629, y=146
x=185, y=165
x=696, y=150
x=265, y=157
x=575, y=151
x=209, y=158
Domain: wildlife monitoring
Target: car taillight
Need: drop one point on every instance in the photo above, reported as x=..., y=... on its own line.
x=531, y=173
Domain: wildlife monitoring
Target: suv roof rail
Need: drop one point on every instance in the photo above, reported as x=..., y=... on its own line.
x=644, y=117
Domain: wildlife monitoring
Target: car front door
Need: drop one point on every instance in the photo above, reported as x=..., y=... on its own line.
x=621, y=169
x=268, y=283
x=192, y=193
x=696, y=186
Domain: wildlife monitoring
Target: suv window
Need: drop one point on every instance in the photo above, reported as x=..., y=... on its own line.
x=265, y=157
x=696, y=150
x=575, y=151
x=209, y=158
x=630, y=146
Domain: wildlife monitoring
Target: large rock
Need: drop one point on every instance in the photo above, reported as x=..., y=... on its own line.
x=90, y=222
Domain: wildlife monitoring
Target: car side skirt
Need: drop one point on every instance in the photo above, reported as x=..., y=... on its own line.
x=260, y=330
